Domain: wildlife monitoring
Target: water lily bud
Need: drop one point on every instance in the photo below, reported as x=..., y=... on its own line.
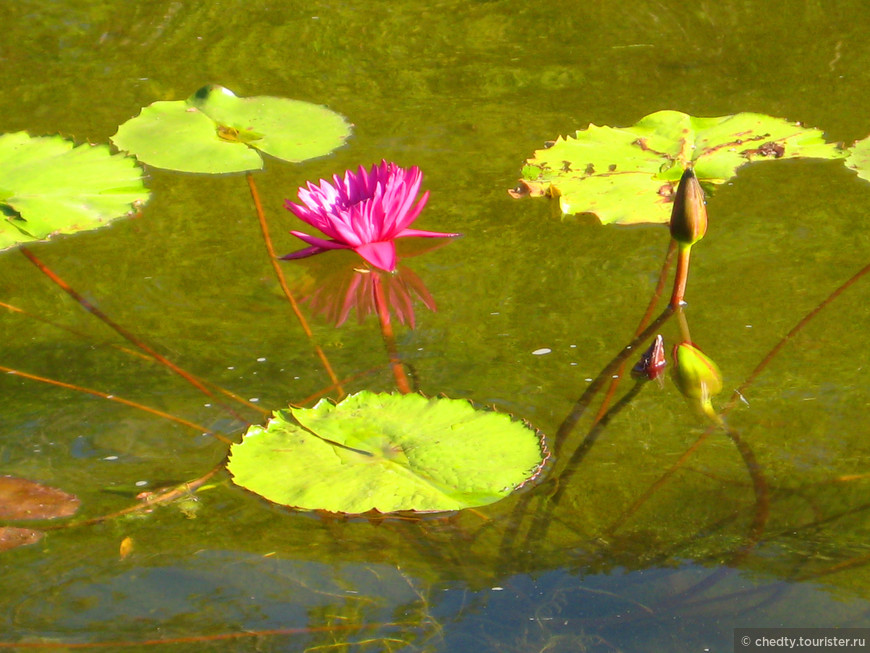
x=689, y=215
x=652, y=362
x=696, y=375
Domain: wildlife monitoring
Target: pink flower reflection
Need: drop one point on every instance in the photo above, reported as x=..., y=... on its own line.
x=354, y=289
x=364, y=211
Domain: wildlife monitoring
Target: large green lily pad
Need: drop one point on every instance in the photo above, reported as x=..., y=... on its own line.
x=214, y=131
x=387, y=452
x=859, y=158
x=49, y=186
x=629, y=175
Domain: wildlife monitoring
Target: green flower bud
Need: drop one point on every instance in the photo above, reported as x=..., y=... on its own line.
x=696, y=375
x=689, y=215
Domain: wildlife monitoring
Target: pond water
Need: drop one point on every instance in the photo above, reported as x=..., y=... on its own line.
x=650, y=532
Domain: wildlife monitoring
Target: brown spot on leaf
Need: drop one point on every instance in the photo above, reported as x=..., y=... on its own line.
x=23, y=499
x=666, y=191
x=770, y=148
x=590, y=169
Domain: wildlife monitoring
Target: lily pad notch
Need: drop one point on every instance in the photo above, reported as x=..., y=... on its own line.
x=388, y=452
x=214, y=131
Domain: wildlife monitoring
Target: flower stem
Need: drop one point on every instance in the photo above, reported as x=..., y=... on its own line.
x=279, y=273
x=681, y=276
x=685, y=335
x=133, y=404
x=121, y=331
x=644, y=321
x=387, y=332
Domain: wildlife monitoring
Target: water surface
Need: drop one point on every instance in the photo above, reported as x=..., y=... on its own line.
x=654, y=537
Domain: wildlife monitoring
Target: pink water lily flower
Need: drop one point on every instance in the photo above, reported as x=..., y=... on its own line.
x=364, y=211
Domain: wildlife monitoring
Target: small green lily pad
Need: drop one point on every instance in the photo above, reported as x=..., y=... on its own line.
x=629, y=175
x=387, y=452
x=49, y=185
x=214, y=131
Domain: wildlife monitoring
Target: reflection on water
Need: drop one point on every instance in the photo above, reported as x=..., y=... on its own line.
x=651, y=531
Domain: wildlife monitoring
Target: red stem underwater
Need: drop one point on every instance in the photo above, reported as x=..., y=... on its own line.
x=120, y=400
x=279, y=273
x=389, y=339
x=121, y=331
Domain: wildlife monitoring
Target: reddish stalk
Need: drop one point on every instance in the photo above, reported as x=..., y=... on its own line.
x=325, y=391
x=147, y=503
x=78, y=334
x=608, y=372
x=121, y=331
x=129, y=352
x=735, y=399
x=279, y=273
x=682, y=275
x=389, y=339
x=738, y=393
x=120, y=400
x=647, y=316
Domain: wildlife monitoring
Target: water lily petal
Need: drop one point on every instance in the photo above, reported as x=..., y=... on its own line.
x=318, y=245
x=381, y=254
x=406, y=233
x=405, y=212
x=303, y=253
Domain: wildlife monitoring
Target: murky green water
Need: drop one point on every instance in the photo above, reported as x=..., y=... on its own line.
x=656, y=537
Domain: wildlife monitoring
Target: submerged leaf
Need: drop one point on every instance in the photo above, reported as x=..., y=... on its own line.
x=12, y=537
x=629, y=175
x=387, y=452
x=24, y=499
x=216, y=132
x=49, y=186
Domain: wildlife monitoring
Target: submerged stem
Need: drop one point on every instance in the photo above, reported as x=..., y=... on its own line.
x=279, y=273
x=387, y=332
x=611, y=369
x=647, y=316
x=120, y=400
x=121, y=331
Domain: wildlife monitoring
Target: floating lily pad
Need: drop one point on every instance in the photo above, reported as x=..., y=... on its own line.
x=387, y=452
x=629, y=175
x=214, y=131
x=49, y=186
x=859, y=158
x=23, y=499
